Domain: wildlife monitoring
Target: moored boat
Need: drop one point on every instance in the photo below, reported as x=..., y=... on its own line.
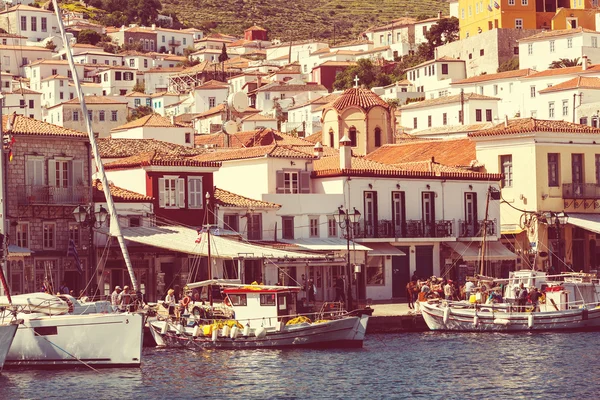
x=7, y=334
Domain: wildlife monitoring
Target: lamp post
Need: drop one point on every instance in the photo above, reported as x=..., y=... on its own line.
x=85, y=217
x=345, y=219
x=559, y=219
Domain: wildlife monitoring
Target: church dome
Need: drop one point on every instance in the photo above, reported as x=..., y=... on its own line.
x=358, y=97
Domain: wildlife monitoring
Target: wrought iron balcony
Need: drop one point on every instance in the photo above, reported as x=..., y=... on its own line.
x=44, y=194
x=581, y=191
x=174, y=42
x=408, y=229
x=475, y=228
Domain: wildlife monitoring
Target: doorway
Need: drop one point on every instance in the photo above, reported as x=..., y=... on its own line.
x=400, y=272
x=424, y=260
x=252, y=271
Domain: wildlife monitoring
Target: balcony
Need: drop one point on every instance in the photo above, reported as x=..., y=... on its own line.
x=409, y=229
x=475, y=228
x=174, y=42
x=43, y=194
x=581, y=191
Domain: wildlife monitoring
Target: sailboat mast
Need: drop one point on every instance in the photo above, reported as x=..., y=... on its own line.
x=3, y=287
x=485, y=223
x=115, y=229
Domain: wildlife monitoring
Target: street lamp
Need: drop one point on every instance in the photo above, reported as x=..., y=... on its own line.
x=345, y=219
x=559, y=219
x=85, y=217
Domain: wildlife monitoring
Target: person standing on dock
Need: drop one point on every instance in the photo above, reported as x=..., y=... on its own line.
x=411, y=293
x=339, y=290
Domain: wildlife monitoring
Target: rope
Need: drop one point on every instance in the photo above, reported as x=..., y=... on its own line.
x=63, y=350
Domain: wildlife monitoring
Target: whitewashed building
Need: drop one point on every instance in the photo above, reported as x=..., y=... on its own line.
x=155, y=127
x=434, y=77
x=34, y=23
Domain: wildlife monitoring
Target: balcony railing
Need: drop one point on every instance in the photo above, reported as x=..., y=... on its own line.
x=475, y=228
x=581, y=191
x=174, y=42
x=409, y=229
x=43, y=194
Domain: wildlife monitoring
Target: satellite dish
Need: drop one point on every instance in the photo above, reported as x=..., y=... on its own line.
x=230, y=127
x=238, y=101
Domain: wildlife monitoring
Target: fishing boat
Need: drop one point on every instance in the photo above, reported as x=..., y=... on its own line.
x=7, y=334
x=262, y=317
x=570, y=302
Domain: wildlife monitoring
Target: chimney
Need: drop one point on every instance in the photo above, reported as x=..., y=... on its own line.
x=172, y=118
x=584, y=62
x=318, y=150
x=439, y=15
x=345, y=153
x=153, y=27
x=505, y=121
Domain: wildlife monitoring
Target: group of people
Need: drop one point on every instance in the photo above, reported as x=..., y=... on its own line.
x=524, y=297
x=423, y=289
x=122, y=299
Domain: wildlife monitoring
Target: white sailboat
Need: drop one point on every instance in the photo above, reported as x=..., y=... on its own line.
x=50, y=333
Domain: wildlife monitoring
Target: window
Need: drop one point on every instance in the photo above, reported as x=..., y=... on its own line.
x=415, y=122
x=583, y=121
x=331, y=226
x=231, y=222
x=75, y=234
x=314, y=226
x=551, y=46
x=511, y=2
x=267, y=299
x=516, y=50
x=460, y=116
x=597, y=169
x=132, y=62
x=255, y=227
x=21, y=102
x=375, y=271
x=44, y=24
x=462, y=12
x=398, y=213
x=478, y=115
x=429, y=121
x=444, y=119
x=188, y=137
x=495, y=90
x=163, y=38
x=49, y=235
x=532, y=91
x=23, y=234
x=352, y=135
x=569, y=43
x=287, y=227
x=24, y=61
x=145, y=63
x=524, y=2
x=267, y=96
x=113, y=115
x=34, y=24
x=518, y=23
x=553, y=169
x=594, y=42
x=137, y=102
x=331, y=138
x=481, y=52
x=507, y=168
x=551, y=109
x=488, y=115
x=212, y=102
x=530, y=49
x=194, y=192
x=171, y=192
x=23, y=23
x=565, y=107
x=377, y=137
x=94, y=61
x=118, y=75
x=101, y=115
x=291, y=182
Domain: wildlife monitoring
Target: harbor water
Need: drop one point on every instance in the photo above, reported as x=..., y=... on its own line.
x=413, y=365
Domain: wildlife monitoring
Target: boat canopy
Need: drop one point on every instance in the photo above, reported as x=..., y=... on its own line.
x=235, y=283
x=495, y=251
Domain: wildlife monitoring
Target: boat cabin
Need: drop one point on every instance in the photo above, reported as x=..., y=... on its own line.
x=266, y=306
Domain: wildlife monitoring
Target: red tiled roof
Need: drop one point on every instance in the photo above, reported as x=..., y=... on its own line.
x=273, y=150
x=255, y=28
x=258, y=137
x=225, y=198
x=580, y=82
x=21, y=125
x=155, y=158
x=96, y=100
x=532, y=125
x=500, y=75
x=164, y=70
x=315, y=137
x=459, y=152
x=258, y=117
x=359, y=97
x=564, y=71
x=150, y=120
x=118, y=193
x=212, y=84
x=121, y=148
x=447, y=100
x=278, y=87
x=24, y=91
x=554, y=33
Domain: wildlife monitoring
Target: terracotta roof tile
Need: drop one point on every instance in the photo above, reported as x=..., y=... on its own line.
x=315, y=137
x=155, y=158
x=96, y=100
x=21, y=125
x=447, y=100
x=150, y=120
x=363, y=98
x=333, y=63
x=24, y=91
x=252, y=152
x=321, y=100
x=555, y=33
x=255, y=28
x=580, y=82
x=278, y=87
x=459, y=152
x=500, y=75
x=121, y=148
x=564, y=71
x=225, y=198
x=258, y=137
x=118, y=193
x=164, y=70
x=532, y=125
x=212, y=85
x=258, y=117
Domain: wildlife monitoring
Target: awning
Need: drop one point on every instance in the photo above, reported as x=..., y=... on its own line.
x=590, y=222
x=186, y=240
x=494, y=251
x=384, y=249
x=16, y=251
x=510, y=229
x=326, y=244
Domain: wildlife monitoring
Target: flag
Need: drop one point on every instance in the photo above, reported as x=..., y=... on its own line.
x=489, y=8
x=72, y=252
x=10, y=155
x=496, y=5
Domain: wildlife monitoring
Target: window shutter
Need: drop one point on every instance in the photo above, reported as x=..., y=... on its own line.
x=161, y=192
x=304, y=182
x=181, y=192
x=279, y=182
x=77, y=173
x=30, y=172
x=51, y=172
x=190, y=191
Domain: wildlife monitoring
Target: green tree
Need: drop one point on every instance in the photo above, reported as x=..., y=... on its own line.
x=50, y=45
x=223, y=56
x=139, y=112
x=369, y=75
x=509, y=65
x=139, y=87
x=88, y=36
x=444, y=31
x=564, y=63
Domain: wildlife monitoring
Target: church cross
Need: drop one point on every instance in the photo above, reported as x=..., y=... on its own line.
x=356, y=81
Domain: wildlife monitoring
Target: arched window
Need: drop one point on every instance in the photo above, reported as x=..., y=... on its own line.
x=377, y=137
x=331, y=142
x=352, y=136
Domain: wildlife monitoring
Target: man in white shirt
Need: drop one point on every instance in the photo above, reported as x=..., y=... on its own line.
x=114, y=298
x=469, y=286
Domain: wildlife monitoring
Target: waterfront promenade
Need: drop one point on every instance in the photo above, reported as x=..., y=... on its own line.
x=395, y=317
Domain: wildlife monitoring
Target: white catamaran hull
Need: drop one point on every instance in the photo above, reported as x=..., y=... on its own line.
x=442, y=318
x=7, y=334
x=345, y=332
x=100, y=340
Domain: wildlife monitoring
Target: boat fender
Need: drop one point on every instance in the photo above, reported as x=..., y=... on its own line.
x=197, y=331
x=234, y=332
x=476, y=320
x=501, y=321
x=446, y=314
x=214, y=335
x=164, y=329
x=530, y=321
x=227, y=301
x=225, y=332
x=247, y=330
x=260, y=332
x=179, y=329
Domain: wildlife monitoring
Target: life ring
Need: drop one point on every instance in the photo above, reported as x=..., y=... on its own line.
x=227, y=301
x=185, y=301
